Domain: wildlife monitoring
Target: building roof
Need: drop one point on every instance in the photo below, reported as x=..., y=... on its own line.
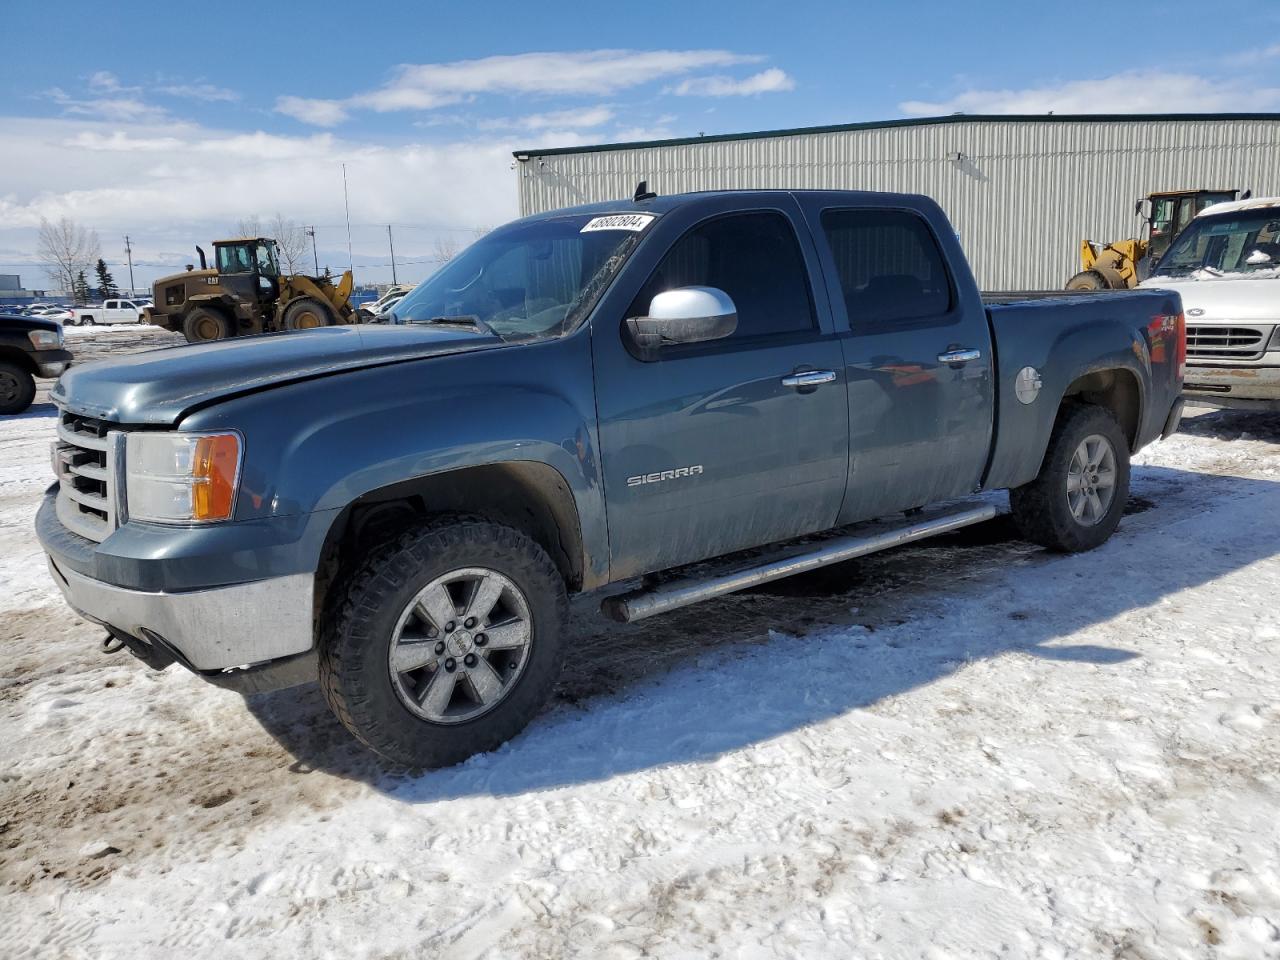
x=913, y=122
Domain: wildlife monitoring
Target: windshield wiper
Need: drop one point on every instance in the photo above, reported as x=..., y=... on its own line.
x=462, y=320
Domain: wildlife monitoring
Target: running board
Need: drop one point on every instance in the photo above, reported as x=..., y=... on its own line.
x=640, y=604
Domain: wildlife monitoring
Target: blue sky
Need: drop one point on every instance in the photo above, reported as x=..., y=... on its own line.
x=174, y=126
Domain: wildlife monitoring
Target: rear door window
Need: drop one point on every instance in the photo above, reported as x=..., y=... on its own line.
x=753, y=257
x=890, y=269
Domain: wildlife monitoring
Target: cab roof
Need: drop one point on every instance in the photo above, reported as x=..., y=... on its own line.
x=1234, y=206
x=664, y=203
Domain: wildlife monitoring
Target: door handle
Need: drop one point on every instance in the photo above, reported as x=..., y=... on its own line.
x=959, y=356
x=809, y=379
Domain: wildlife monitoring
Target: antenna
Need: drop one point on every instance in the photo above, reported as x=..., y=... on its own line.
x=643, y=192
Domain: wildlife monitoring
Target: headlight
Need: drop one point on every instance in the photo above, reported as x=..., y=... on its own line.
x=45, y=339
x=181, y=477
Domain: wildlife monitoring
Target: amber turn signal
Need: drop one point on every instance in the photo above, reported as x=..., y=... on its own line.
x=213, y=472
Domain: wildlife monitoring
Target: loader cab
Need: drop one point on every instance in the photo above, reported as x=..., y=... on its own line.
x=249, y=266
x=1167, y=214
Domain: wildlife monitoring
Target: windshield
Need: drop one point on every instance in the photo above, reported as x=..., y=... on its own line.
x=1247, y=241
x=527, y=280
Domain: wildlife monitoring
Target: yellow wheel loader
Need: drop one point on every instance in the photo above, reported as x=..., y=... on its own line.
x=245, y=293
x=1120, y=265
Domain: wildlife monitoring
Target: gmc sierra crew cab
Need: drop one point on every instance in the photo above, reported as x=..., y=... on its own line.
x=579, y=400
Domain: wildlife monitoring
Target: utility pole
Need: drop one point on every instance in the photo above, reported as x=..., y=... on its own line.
x=311, y=232
x=346, y=203
x=128, y=251
x=393, y=255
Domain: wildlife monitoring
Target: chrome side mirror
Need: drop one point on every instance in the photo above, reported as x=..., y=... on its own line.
x=684, y=315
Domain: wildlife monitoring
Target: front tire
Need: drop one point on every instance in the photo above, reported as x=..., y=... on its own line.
x=1077, y=500
x=446, y=643
x=17, y=389
x=307, y=313
x=1088, y=280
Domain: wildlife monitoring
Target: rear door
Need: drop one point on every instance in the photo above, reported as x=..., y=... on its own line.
x=917, y=356
x=716, y=446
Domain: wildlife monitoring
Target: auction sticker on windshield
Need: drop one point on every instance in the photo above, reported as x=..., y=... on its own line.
x=619, y=221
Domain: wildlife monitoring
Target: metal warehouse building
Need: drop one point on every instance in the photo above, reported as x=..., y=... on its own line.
x=1022, y=191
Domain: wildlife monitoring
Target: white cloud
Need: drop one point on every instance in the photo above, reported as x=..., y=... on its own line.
x=170, y=186
x=207, y=92
x=430, y=85
x=318, y=113
x=772, y=80
x=637, y=134
x=123, y=108
x=104, y=81
x=1145, y=91
x=569, y=119
x=1256, y=55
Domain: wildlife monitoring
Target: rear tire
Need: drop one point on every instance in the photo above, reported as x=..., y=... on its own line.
x=383, y=652
x=203, y=325
x=307, y=313
x=17, y=389
x=1077, y=500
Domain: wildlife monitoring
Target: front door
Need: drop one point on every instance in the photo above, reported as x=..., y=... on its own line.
x=917, y=357
x=723, y=445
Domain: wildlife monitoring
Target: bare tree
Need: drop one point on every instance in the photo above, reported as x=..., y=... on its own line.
x=291, y=238
x=249, y=227
x=289, y=235
x=445, y=249
x=66, y=249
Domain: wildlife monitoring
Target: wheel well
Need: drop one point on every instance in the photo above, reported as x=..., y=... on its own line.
x=531, y=497
x=1117, y=390
x=18, y=358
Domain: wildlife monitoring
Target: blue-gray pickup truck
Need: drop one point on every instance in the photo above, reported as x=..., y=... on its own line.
x=582, y=399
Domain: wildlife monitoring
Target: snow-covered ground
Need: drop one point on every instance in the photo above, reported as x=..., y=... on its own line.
x=963, y=749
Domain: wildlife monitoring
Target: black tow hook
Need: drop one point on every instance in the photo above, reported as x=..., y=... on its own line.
x=112, y=644
x=154, y=655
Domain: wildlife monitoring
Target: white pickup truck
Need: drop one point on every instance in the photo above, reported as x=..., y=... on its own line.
x=1226, y=266
x=111, y=311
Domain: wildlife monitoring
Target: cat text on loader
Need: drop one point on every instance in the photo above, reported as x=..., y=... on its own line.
x=244, y=293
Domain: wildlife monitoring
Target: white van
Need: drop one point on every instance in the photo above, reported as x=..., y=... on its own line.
x=111, y=311
x=1226, y=267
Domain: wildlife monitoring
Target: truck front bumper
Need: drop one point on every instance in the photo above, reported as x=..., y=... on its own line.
x=253, y=635
x=1241, y=387
x=51, y=363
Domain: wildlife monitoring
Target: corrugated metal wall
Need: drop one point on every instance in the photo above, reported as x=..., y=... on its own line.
x=1022, y=198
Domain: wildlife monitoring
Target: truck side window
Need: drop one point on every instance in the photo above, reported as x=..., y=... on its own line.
x=754, y=258
x=889, y=266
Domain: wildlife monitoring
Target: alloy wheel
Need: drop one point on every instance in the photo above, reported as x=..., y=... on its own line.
x=460, y=645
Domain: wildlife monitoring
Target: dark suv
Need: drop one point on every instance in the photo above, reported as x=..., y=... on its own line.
x=29, y=348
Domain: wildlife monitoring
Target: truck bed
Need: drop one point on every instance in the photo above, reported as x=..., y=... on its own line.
x=1058, y=335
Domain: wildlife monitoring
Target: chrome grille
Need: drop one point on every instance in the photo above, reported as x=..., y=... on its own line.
x=85, y=457
x=1226, y=343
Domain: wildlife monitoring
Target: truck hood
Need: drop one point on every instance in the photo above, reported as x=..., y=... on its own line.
x=160, y=386
x=1228, y=299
